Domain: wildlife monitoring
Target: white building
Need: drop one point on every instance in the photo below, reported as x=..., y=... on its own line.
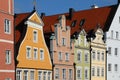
x=113, y=47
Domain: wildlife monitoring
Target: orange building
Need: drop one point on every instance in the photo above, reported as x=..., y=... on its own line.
x=32, y=56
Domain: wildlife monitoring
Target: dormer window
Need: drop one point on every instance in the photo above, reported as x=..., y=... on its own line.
x=82, y=22
x=74, y=23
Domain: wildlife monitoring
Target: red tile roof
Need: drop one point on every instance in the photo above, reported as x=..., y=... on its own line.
x=102, y=16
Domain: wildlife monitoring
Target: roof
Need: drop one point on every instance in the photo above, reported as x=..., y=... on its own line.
x=92, y=17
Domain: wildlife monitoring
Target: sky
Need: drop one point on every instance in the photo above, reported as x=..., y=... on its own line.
x=51, y=7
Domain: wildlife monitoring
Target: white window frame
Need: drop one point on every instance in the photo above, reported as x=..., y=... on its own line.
x=49, y=75
x=117, y=34
x=98, y=55
x=35, y=58
x=8, y=57
x=109, y=67
x=19, y=75
x=56, y=73
x=60, y=56
x=102, y=56
x=86, y=58
x=7, y=26
x=102, y=71
x=8, y=79
x=93, y=55
x=86, y=74
x=79, y=75
x=42, y=55
x=109, y=50
x=35, y=39
x=40, y=75
x=30, y=52
x=79, y=58
x=44, y=75
x=116, y=51
x=70, y=74
x=67, y=56
x=98, y=71
x=64, y=41
x=112, y=34
x=116, y=67
x=25, y=75
x=32, y=75
x=63, y=74
x=93, y=71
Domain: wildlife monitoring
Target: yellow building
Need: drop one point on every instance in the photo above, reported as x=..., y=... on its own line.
x=32, y=56
x=98, y=56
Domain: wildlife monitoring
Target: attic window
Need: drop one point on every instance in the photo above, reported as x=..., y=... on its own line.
x=82, y=22
x=74, y=23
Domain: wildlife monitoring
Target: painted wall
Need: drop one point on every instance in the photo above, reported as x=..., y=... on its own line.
x=114, y=43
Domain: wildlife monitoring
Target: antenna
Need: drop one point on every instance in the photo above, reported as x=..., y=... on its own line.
x=34, y=4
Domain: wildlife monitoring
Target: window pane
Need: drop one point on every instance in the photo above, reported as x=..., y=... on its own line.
x=41, y=54
x=39, y=75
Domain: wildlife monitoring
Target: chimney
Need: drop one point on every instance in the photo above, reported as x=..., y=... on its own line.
x=71, y=10
x=94, y=6
x=42, y=15
x=118, y=1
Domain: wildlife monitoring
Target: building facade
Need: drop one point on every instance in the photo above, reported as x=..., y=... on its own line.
x=7, y=65
x=113, y=48
x=98, y=56
x=61, y=48
x=33, y=58
x=82, y=57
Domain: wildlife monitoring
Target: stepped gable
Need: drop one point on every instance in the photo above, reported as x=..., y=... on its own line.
x=88, y=18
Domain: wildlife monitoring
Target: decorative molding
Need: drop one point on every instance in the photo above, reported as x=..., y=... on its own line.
x=7, y=71
x=6, y=41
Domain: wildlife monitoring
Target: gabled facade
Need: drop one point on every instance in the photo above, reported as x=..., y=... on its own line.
x=33, y=59
x=7, y=65
x=61, y=48
x=82, y=56
x=98, y=56
x=113, y=48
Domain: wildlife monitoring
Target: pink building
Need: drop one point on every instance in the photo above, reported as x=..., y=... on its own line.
x=7, y=67
x=61, y=49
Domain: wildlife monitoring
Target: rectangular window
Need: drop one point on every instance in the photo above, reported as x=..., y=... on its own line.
x=41, y=54
x=86, y=57
x=31, y=75
x=112, y=34
x=109, y=50
x=93, y=71
x=116, y=67
x=49, y=74
x=35, y=36
x=60, y=56
x=102, y=56
x=40, y=75
x=63, y=41
x=8, y=57
x=109, y=67
x=35, y=53
x=98, y=71
x=70, y=74
x=93, y=55
x=117, y=35
x=18, y=75
x=102, y=72
x=7, y=26
x=64, y=74
x=98, y=55
x=79, y=74
x=116, y=51
x=8, y=79
x=86, y=74
x=79, y=56
x=25, y=77
x=67, y=57
x=28, y=52
x=56, y=73
x=44, y=76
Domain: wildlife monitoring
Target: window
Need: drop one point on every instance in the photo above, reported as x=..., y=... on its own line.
x=109, y=50
x=49, y=74
x=86, y=74
x=41, y=54
x=67, y=57
x=35, y=36
x=60, y=56
x=112, y=34
x=44, y=76
x=98, y=71
x=28, y=52
x=98, y=55
x=64, y=74
x=63, y=41
x=40, y=75
x=7, y=26
x=102, y=56
x=70, y=74
x=25, y=77
x=18, y=75
x=117, y=35
x=35, y=53
x=8, y=57
x=102, y=72
x=93, y=55
x=56, y=73
x=8, y=79
x=79, y=74
x=79, y=56
x=86, y=57
x=31, y=75
x=109, y=67
x=116, y=51
x=93, y=71
x=116, y=67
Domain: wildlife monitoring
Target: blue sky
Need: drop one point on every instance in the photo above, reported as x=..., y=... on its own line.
x=50, y=7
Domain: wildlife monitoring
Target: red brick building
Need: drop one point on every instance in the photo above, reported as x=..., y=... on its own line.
x=7, y=67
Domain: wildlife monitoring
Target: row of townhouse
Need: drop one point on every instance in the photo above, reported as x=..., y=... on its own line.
x=77, y=45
